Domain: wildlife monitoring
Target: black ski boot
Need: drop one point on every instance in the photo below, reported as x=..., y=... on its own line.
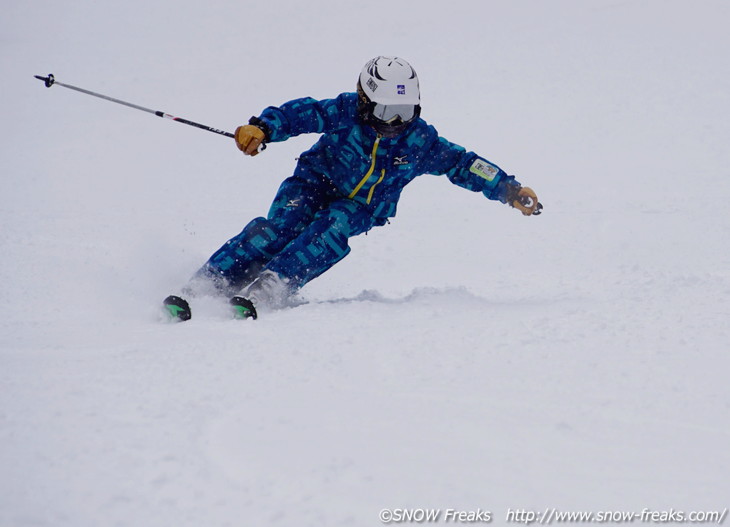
x=268, y=291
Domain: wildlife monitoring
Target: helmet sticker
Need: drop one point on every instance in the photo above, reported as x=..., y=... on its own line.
x=372, y=84
x=401, y=89
x=482, y=168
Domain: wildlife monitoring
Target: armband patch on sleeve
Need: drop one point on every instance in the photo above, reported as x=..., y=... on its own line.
x=483, y=169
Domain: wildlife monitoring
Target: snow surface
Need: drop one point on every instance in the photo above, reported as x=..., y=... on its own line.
x=462, y=357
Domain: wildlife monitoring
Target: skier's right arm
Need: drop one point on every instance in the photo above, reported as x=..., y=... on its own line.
x=296, y=117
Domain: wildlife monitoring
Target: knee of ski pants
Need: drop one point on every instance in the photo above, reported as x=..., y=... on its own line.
x=263, y=238
x=348, y=217
x=255, y=240
x=240, y=258
x=323, y=244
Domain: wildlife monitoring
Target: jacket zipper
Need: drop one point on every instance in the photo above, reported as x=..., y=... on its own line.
x=372, y=189
x=370, y=173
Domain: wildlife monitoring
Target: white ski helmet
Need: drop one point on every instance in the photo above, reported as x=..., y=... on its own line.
x=389, y=95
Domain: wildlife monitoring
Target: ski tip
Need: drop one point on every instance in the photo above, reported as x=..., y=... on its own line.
x=177, y=308
x=243, y=308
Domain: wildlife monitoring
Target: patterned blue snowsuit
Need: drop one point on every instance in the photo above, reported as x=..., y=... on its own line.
x=347, y=183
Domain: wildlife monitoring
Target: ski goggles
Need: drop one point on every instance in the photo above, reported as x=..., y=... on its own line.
x=392, y=112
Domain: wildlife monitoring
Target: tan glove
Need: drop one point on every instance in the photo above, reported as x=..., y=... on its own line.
x=526, y=202
x=249, y=138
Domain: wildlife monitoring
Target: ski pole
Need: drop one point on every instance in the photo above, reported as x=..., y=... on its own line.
x=51, y=80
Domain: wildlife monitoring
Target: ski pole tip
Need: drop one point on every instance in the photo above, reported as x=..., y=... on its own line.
x=47, y=80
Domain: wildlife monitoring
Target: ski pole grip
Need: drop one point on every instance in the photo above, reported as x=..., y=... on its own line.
x=528, y=202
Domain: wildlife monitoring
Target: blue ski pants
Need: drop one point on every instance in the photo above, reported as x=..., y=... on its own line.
x=304, y=234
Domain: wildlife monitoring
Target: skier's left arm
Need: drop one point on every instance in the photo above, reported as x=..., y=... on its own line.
x=475, y=173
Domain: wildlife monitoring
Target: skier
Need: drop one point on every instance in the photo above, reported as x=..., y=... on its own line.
x=374, y=143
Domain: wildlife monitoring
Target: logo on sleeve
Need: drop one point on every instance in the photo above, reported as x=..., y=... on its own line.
x=483, y=169
x=400, y=160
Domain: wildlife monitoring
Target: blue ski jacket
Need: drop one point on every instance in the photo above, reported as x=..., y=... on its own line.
x=371, y=169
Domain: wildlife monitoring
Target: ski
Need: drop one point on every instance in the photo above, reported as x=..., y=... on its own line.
x=177, y=308
x=243, y=308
